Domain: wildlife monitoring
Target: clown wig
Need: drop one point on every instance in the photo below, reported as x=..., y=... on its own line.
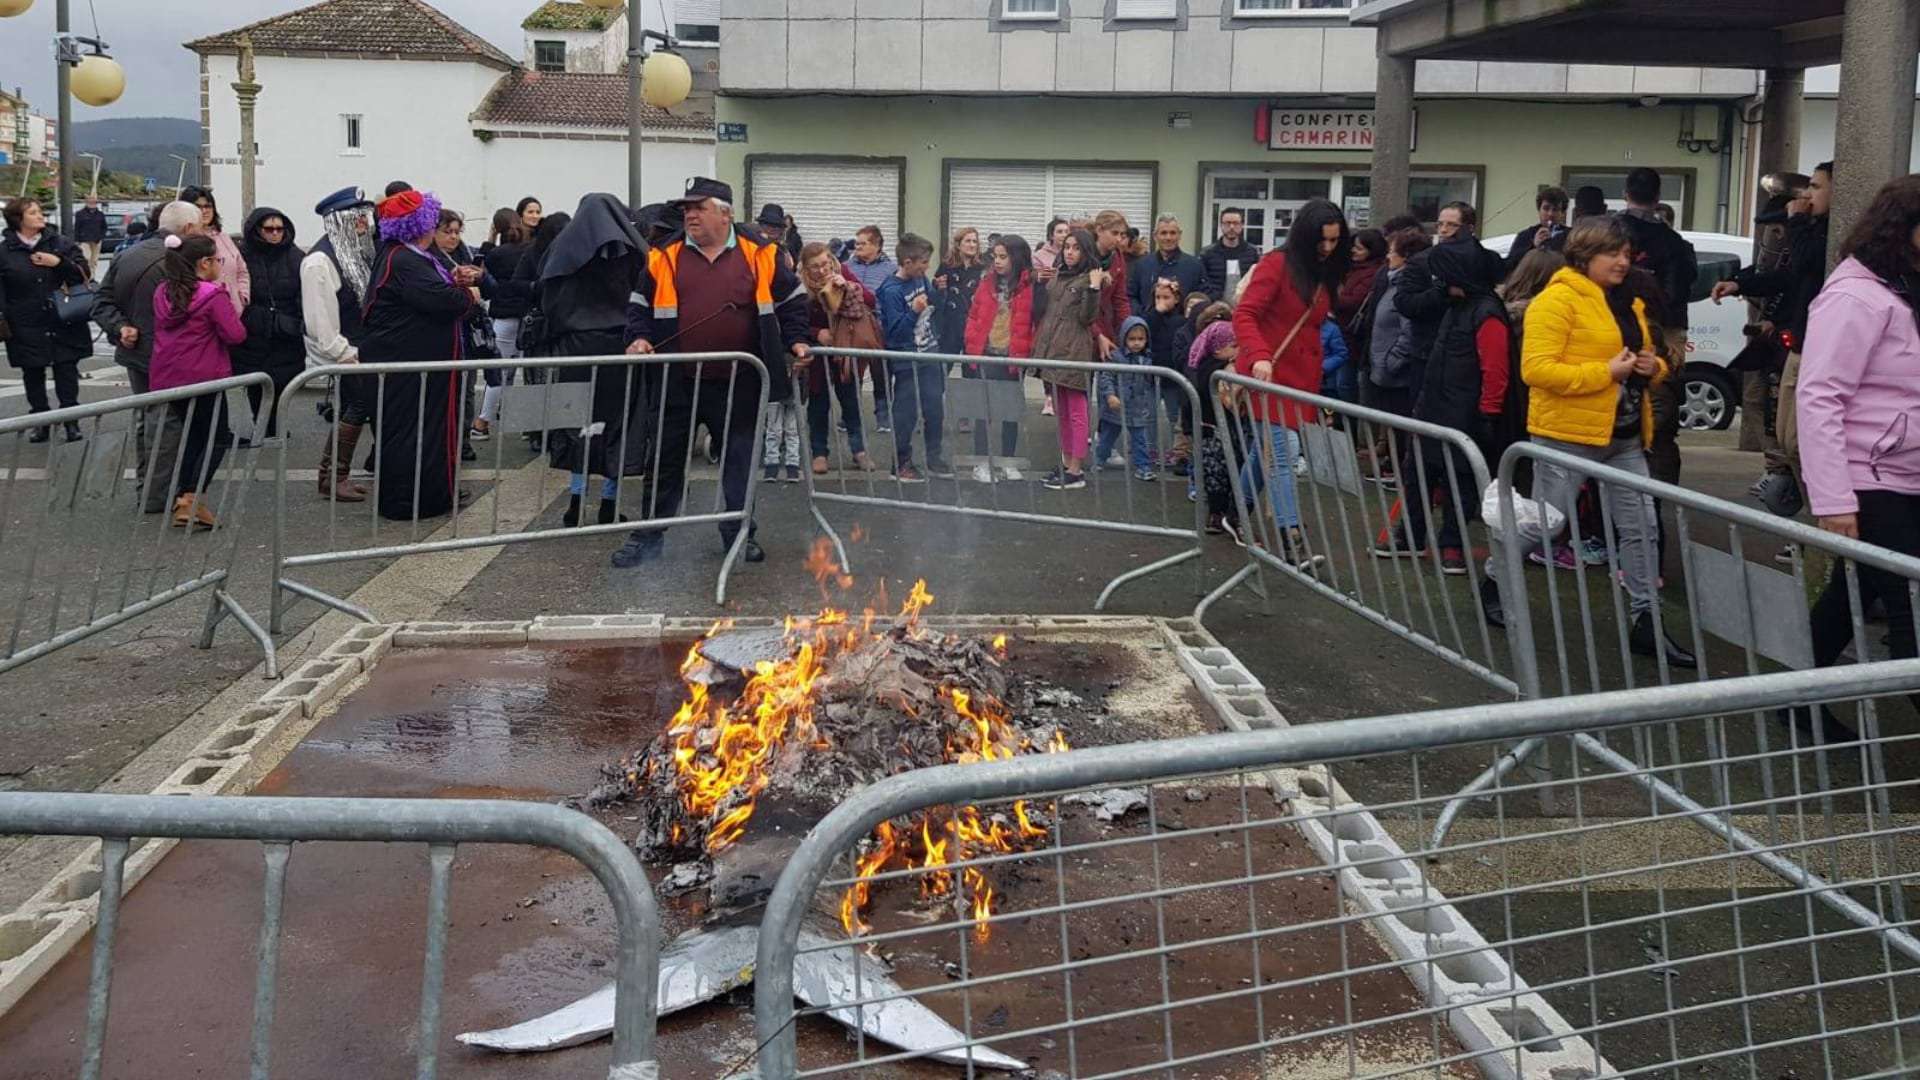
x=408, y=216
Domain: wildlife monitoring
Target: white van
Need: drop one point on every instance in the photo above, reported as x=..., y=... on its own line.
x=1710, y=394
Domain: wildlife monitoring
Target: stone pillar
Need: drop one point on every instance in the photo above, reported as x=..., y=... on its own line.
x=248, y=92
x=1780, y=120
x=1874, y=139
x=1392, y=137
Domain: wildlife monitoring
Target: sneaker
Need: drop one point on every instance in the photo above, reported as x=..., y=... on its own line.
x=1397, y=546
x=793, y=474
x=983, y=474
x=1145, y=476
x=467, y=454
x=1453, y=561
x=1011, y=474
x=1114, y=461
x=770, y=474
x=1046, y=405
x=1299, y=465
x=640, y=547
x=479, y=434
x=883, y=427
x=1216, y=524
x=907, y=474
x=1593, y=551
x=1064, y=481
x=939, y=470
x=1563, y=558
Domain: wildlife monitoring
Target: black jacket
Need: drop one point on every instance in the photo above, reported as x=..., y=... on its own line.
x=1449, y=393
x=275, y=327
x=1662, y=252
x=503, y=261
x=89, y=225
x=1163, y=333
x=1793, y=286
x=1186, y=270
x=412, y=313
x=952, y=304
x=1523, y=243
x=26, y=301
x=1215, y=258
x=125, y=298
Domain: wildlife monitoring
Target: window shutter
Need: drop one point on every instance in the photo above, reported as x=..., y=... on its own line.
x=829, y=200
x=1084, y=190
x=697, y=12
x=1145, y=9
x=999, y=199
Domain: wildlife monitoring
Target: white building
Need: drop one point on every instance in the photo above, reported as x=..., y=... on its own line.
x=363, y=92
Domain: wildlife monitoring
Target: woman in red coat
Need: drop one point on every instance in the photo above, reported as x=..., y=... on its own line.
x=1000, y=324
x=1277, y=324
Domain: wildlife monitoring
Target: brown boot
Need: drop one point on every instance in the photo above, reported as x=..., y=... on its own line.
x=188, y=510
x=335, y=479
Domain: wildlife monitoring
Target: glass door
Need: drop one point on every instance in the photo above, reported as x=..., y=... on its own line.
x=1269, y=200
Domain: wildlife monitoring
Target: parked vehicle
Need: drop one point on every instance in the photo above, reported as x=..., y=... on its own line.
x=1710, y=392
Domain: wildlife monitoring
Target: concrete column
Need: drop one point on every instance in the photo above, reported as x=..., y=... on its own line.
x=1780, y=120
x=1392, y=136
x=1874, y=139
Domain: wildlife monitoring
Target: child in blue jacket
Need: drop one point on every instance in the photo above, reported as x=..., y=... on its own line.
x=1129, y=402
x=1336, y=375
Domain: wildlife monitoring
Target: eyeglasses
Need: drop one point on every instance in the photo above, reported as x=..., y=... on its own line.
x=204, y=205
x=273, y=228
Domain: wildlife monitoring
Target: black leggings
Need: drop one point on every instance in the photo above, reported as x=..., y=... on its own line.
x=281, y=376
x=204, y=430
x=66, y=384
x=1890, y=520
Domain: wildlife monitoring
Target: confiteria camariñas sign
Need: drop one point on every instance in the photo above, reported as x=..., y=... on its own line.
x=1320, y=129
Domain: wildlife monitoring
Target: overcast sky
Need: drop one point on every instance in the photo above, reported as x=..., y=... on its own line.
x=162, y=77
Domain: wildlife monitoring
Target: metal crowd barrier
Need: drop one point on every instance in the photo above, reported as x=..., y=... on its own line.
x=77, y=554
x=996, y=485
x=547, y=404
x=279, y=823
x=1173, y=919
x=1346, y=505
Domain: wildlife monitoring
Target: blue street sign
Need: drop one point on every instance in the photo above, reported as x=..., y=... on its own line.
x=152, y=183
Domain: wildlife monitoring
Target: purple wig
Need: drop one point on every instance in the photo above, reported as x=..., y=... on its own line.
x=409, y=215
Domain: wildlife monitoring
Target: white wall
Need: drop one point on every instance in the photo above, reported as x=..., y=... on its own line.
x=1816, y=134
x=559, y=171
x=414, y=128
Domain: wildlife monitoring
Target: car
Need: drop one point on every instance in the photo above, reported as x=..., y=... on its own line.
x=1710, y=390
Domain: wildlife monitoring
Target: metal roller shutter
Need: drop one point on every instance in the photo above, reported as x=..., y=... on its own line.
x=830, y=200
x=702, y=12
x=1022, y=198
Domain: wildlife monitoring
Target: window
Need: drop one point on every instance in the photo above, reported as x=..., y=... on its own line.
x=697, y=31
x=350, y=122
x=549, y=56
x=1030, y=9
x=1146, y=9
x=1257, y=9
x=1269, y=198
x=1676, y=188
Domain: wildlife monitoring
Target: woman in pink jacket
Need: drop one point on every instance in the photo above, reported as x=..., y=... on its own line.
x=1859, y=407
x=194, y=326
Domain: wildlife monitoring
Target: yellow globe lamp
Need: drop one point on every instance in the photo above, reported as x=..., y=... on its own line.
x=10, y=8
x=665, y=80
x=98, y=80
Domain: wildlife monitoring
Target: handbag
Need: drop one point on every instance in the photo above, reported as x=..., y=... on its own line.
x=72, y=306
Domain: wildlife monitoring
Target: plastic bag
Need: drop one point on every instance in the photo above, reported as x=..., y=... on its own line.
x=1528, y=515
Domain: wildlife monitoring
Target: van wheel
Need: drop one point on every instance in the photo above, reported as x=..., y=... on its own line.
x=1707, y=400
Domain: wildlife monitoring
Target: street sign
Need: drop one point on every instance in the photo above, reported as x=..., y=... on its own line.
x=731, y=132
x=152, y=183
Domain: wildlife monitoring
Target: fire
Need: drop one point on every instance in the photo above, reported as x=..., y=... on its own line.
x=866, y=865
x=1000, y=646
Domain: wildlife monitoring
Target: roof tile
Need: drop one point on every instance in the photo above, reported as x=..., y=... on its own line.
x=573, y=99
x=566, y=15
x=410, y=27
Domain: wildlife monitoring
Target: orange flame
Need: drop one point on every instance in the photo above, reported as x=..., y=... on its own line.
x=824, y=567
x=865, y=867
x=1000, y=645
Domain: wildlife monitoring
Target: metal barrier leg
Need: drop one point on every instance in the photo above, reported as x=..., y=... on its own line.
x=330, y=600
x=113, y=863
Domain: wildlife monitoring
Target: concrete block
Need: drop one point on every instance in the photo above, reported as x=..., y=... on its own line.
x=819, y=54
x=886, y=54
x=1028, y=60
x=239, y=736
x=1445, y=76
x=752, y=9
x=959, y=54
x=888, y=9
x=1597, y=79
x=1202, y=57
x=410, y=635
x=1143, y=60
x=313, y=684
x=29, y=947
x=1666, y=80
x=1086, y=57
x=364, y=645
x=1348, y=64
x=1506, y=78
x=1277, y=60
x=765, y=40
x=595, y=628
x=201, y=776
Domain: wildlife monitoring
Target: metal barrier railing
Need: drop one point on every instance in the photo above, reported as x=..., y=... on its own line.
x=608, y=417
x=1332, y=538
x=85, y=558
x=279, y=823
x=989, y=478
x=1187, y=924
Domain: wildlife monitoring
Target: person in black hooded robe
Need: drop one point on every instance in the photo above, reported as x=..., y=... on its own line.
x=416, y=310
x=586, y=279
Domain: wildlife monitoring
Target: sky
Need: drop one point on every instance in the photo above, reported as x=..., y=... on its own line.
x=145, y=36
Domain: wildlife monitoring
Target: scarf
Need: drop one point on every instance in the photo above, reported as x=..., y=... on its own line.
x=352, y=247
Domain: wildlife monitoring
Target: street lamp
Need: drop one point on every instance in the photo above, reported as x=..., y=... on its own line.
x=180, y=185
x=93, y=189
x=661, y=79
x=94, y=77
x=10, y=8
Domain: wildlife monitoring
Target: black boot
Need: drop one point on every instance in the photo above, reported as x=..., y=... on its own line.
x=40, y=435
x=1490, y=604
x=73, y=432
x=572, y=516
x=1641, y=640
x=610, y=512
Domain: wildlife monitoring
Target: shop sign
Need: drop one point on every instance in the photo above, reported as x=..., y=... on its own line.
x=1323, y=129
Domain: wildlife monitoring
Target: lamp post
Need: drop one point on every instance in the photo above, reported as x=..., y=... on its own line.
x=661, y=79
x=93, y=186
x=92, y=77
x=180, y=185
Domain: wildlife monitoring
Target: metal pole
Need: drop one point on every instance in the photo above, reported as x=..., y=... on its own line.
x=636, y=102
x=93, y=188
x=63, y=89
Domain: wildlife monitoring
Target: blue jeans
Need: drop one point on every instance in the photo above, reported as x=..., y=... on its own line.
x=919, y=393
x=1270, y=441
x=1139, y=444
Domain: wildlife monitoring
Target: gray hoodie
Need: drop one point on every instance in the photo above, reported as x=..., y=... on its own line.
x=125, y=298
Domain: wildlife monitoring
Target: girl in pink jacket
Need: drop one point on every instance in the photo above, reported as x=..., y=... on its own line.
x=194, y=326
x=1859, y=410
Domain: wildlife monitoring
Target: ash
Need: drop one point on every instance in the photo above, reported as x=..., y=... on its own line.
x=886, y=702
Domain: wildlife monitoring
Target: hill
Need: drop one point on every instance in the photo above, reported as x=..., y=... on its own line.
x=141, y=145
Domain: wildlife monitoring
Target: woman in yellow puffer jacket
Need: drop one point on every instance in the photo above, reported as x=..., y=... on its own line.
x=1589, y=358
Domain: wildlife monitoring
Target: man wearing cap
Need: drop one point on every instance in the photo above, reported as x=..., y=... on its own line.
x=333, y=284
x=777, y=229
x=713, y=288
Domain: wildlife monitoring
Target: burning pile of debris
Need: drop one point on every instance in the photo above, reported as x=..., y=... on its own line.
x=781, y=724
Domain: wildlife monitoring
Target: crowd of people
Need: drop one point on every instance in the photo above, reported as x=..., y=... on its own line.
x=1572, y=339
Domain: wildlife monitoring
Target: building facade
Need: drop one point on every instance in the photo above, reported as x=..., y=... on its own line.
x=425, y=100
x=998, y=114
